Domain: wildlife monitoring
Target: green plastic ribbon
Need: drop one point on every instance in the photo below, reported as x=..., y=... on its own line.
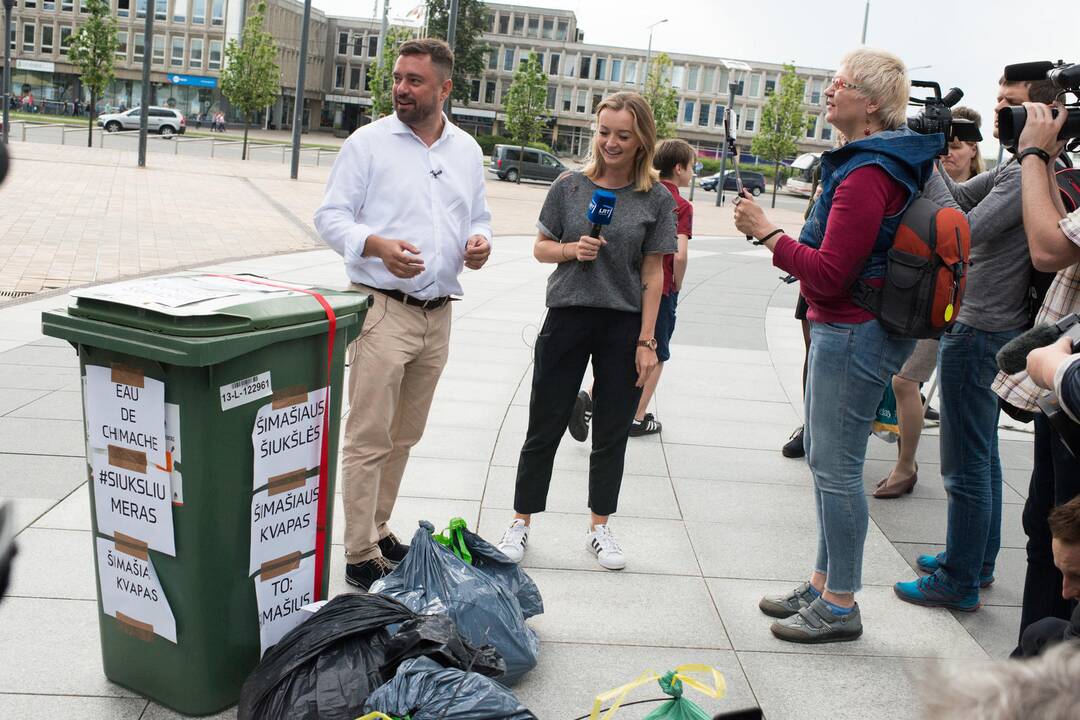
x=453, y=538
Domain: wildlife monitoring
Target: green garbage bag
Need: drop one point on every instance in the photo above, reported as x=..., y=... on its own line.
x=678, y=708
x=886, y=423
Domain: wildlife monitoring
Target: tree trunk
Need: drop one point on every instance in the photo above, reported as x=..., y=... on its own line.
x=90, y=125
x=247, y=124
x=775, y=182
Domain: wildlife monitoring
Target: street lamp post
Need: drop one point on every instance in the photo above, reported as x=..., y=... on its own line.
x=148, y=32
x=648, y=54
x=7, y=64
x=298, y=105
x=451, y=40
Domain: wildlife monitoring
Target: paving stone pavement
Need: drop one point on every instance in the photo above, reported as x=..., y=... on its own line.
x=712, y=516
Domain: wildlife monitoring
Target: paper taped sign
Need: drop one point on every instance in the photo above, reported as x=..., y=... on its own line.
x=127, y=409
x=284, y=517
x=132, y=497
x=282, y=587
x=130, y=589
x=288, y=434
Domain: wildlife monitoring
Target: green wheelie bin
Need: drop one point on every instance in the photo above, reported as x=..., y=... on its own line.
x=212, y=407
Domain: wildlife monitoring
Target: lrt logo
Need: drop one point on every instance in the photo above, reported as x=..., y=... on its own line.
x=601, y=213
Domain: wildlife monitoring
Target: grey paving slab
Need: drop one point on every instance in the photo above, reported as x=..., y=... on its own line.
x=643, y=457
x=1011, y=566
x=68, y=556
x=996, y=628
x=40, y=476
x=851, y=688
x=717, y=463
x=59, y=405
x=41, y=356
x=24, y=377
x=731, y=502
x=472, y=415
x=557, y=541
x=930, y=484
x=756, y=386
x=581, y=672
x=462, y=390
x=696, y=333
x=47, y=707
x=892, y=628
x=51, y=647
x=723, y=433
x=157, y=712
x=649, y=610
x=472, y=370
x=450, y=443
x=12, y=399
x=26, y=510
x=691, y=406
x=640, y=495
x=42, y=437
x=918, y=520
x=440, y=478
x=72, y=513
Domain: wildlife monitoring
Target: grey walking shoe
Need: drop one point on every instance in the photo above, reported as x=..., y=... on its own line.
x=817, y=624
x=784, y=606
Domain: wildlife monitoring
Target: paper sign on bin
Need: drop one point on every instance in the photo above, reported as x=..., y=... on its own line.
x=288, y=433
x=132, y=497
x=131, y=591
x=282, y=587
x=126, y=409
x=283, y=517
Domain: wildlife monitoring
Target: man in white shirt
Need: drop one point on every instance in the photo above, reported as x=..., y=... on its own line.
x=405, y=207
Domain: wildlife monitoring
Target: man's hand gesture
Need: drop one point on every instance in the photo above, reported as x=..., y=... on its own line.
x=477, y=251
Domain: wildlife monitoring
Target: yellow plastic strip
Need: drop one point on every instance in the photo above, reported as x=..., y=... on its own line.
x=718, y=688
x=375, y=716
x=617, y=696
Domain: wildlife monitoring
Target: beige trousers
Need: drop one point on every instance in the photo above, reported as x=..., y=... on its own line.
x=393, y=368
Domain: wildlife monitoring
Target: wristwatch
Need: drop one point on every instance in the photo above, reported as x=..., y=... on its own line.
x=650, y=343
x=1042, y=154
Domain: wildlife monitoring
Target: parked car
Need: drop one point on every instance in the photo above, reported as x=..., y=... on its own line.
x=752, y=181
x=164, y=121
x=536, y=165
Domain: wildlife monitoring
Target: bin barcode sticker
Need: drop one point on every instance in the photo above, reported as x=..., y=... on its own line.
x=244, y=391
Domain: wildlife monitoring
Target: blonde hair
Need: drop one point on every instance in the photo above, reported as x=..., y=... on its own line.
x=883, y=79
x=645, y=175
x=977, y=164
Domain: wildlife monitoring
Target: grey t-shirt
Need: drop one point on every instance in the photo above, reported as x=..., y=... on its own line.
x=995, y=298
x=642, y=224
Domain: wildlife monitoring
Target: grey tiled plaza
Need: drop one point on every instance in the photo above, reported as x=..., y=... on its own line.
x=711, y=515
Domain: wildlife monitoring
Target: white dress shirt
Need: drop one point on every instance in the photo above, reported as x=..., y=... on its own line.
x=387, y=182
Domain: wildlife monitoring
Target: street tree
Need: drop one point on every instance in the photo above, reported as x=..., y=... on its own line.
x=661, y=96
x=92, y=48
x=469, y=49
x=782, y=123
x=250, y=80
x=526, y=106
x=381, y=74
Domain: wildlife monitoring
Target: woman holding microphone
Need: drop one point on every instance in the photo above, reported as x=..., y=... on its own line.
x=602, y=301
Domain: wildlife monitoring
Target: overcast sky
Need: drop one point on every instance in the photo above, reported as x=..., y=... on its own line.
x=966, y=43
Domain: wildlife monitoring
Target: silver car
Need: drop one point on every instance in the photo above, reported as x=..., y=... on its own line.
x=164, y=121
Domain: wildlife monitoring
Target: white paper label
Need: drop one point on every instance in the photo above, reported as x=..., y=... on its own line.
x=129, y=585
x=280, y=600
x=125, y=415
x=172, y=449
x=283, y=523
x=289, y=438
x=244, y=391
x=137, y=504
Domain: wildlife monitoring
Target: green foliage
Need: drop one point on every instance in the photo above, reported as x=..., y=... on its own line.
x=381, y=75
x=92, y=48
x=250, y=80
x=525, y=102
x=661, y=96
x=469, y=50
x=782, y=120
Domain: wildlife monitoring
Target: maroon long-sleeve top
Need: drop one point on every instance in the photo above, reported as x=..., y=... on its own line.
x=865, y=197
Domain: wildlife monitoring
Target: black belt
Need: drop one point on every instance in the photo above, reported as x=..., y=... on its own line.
x=433, y=304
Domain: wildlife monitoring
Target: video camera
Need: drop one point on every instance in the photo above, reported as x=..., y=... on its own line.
x=936, y=115
x=1065, y=77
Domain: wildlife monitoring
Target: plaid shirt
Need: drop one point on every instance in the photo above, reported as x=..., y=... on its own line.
x=1062, y=298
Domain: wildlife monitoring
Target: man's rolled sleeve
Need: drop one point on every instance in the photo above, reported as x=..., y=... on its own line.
x=1070, y=225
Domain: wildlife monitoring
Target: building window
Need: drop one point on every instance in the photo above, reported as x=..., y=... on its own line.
x=553, y=64
x=137, y=50
x=14, y=35
x=474, y=95
x=751, y=119
x=811, y=127
x=161, y=10
x=718, y=118
x=339, y=76
x=82, y=7
x=815, y=93
x=140, y=8
x=568, y=68
x=703, y=114
x=342, y=43
x=372, y=46
x=583, y=70
x=489, y=92
x=631, y=72
x=582, y=97
x=692, y=77
x=567, y=99
x=560, y=32
x=176, y=57
x=519, y=25
x=504, y=24
x=123, y=8
x=493, y=60
x=601, y=69
x=755, y=85
x=198, y=12
x=215, y=55
x=826, y=131
x=739, y=87
x=358, y=45
x=28, y=38
x=67, y=5
x=678, y=76
x=179, y=11
x=534, y=27
x=195, y=53
x=549, y=28
x=489, y=22
x=616, y=70
x=354, y=78
x=65, y=38
x=708, y=80
x=217, y=12
x=688, y=112
x=539, y=59
x=46, y=38
x=48, y=5
x=121, y=43
x=508, y=59
x=158, y=57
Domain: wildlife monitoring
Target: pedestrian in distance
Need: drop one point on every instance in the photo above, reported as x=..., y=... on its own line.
x=408, y=256
x=866, y=186
x=602, y=301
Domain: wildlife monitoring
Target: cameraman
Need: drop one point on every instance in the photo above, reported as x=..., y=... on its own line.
x=994, y=311
x=1054, y=239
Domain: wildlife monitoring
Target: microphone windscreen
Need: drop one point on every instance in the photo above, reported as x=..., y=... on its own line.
x=601, y=207
x=1028, y=71
x=1012, y=358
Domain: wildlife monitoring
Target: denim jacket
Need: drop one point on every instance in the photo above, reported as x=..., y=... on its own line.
x=908, y=158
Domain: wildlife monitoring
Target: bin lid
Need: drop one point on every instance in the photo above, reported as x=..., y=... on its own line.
x=207, y=305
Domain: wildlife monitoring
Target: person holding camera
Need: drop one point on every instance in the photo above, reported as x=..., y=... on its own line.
x=602, y=299
x=994, y=311
x=1054, y=240
x=866, y=186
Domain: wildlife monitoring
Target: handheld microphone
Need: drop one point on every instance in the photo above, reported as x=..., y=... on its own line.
x=601, y=210
x=1012, y=358
x=1028, y=71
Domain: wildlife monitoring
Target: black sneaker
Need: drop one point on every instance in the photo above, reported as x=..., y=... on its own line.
x=580, y=417
x=793, y=448
x=932, y=415
x=648, y=425
x=392, y=549
x=362, y=574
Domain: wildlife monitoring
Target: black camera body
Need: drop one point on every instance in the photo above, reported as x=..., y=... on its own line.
x=1065, y=77
x=936, y=116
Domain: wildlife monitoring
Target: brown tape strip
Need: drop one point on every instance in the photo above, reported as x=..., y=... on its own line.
x=127, y=375
x=286, y=482
x=289, y=396
x=273, y=568
x=131, y=546
x=133, y=460
x=135, y=628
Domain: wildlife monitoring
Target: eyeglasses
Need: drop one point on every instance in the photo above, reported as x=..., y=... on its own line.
x=839, y=82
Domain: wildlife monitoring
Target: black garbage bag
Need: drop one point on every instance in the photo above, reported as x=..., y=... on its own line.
x=424, y=690
x=436, y=637
x=326, y=666
x=433, y=580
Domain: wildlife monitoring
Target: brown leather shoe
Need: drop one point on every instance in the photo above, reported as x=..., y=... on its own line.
x=897, y=489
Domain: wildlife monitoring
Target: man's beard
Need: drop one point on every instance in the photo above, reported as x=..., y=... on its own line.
x=416, y=112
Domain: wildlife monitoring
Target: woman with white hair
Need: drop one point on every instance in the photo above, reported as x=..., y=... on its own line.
x=866, y=186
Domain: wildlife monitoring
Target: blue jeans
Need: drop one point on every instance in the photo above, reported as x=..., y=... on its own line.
x=970, y=464
x=849, y=365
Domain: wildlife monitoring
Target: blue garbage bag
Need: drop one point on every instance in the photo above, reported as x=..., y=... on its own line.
x=432, y=580
x=424, y=690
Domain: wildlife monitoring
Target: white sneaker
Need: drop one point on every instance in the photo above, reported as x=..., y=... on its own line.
x=605, y=547
x=514, y=541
